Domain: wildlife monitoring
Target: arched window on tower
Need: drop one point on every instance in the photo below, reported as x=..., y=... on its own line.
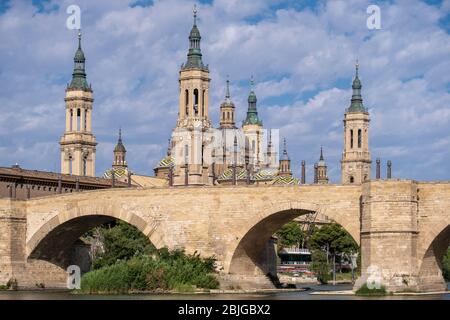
x=186, y=101
x=78, y=119
x=359, y=138
x=71, y=119
x=351, y=138
x=85, y=165
x=352, y=180
x=85, y=119
x=196, y=102
x=186, y=154
x=203, y=103
x=70, y=164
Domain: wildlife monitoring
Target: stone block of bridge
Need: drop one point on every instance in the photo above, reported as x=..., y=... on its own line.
x=389, y=232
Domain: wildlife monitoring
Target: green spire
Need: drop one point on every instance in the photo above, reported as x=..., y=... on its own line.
x=356, y=102
x=252, y=112
x=79, y=73
x=194, y=57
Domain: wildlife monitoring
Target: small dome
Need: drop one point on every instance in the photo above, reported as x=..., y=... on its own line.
x=227, y=103
x=195, y=33
x=356, y=83
x=79, y=55
x=120, y=147
x=166, y=162
x=252, y=97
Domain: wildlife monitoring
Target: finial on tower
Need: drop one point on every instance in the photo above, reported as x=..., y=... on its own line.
x=194, y=11
x=79, y=38
x=227, y=95
x=252, y=82
x=321, y=153
x=357, y=67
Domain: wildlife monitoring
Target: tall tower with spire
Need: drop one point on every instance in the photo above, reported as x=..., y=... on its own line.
x=356, y=161
x=227, y=111
x=285, y=163
x=253, y=130
x=78, y=143
x=322, y=177
x=190, y=137
x=120, y=152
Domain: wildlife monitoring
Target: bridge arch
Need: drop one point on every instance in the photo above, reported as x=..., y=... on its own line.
x=249, y=255
x=430, y=269
x=51, y=240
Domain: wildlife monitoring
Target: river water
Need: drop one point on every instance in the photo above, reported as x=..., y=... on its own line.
x=299, y=295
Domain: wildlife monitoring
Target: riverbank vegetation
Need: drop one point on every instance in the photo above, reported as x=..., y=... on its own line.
x=127, y=262
x=366, y=291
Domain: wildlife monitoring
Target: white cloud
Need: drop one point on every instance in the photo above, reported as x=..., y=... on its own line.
x=302, y=61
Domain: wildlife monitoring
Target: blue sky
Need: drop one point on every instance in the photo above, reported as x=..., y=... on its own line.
x=301, y=53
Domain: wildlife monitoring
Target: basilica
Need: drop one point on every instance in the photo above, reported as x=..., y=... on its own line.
x=199, y=153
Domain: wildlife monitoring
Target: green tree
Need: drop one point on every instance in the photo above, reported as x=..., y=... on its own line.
x=290, y=234
x=446, y=265
x=333, y=237
x=320, y=266
x=121, y=243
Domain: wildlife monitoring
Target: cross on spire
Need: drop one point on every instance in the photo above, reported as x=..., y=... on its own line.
x=194, y=11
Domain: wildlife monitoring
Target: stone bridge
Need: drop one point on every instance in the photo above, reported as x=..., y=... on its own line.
x=401, y=225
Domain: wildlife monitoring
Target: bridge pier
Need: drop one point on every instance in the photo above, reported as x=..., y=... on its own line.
x=389, y=239
x=14, y=264
x=13, y=225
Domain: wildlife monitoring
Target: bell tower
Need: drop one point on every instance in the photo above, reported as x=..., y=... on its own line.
x=191, y=137
x=253, y=130
x=322, y=177
x=285, y=163
x=227, y=111
x=120, y=152
x=78, y=143
x=356, y=161
x=194, y=84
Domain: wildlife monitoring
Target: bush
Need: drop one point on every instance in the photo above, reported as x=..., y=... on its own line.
x=366, y=291
x=320, y=266
x=121, y=242
x=162, y=271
